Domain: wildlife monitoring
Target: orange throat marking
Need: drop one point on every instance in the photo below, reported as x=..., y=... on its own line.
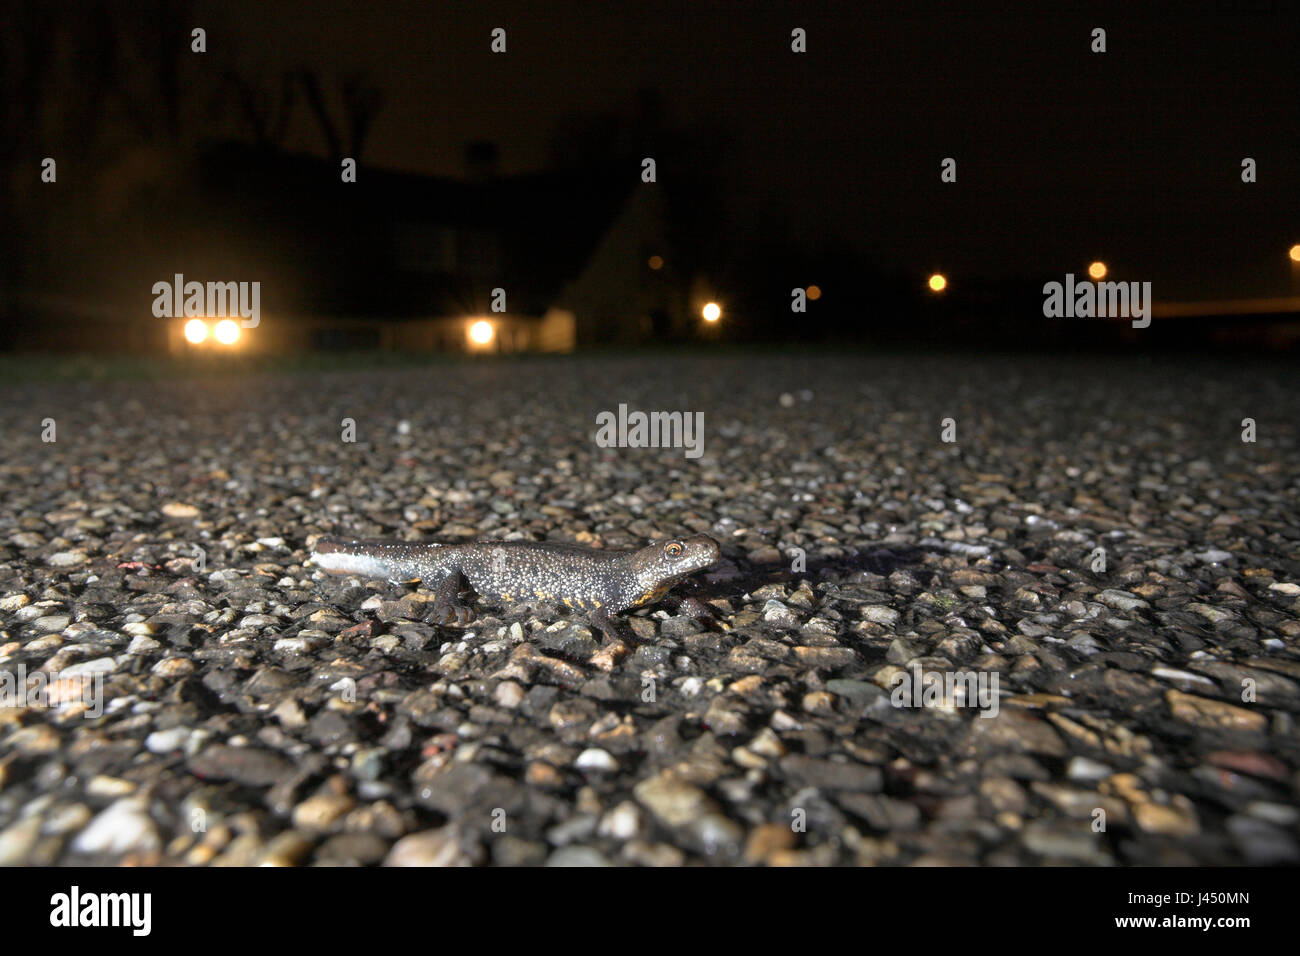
x=653, y=594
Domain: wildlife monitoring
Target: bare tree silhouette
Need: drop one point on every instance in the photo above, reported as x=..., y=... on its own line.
x=361, y=104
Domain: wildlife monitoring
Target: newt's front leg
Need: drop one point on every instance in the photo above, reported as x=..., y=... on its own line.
x=698, y=610
x=448, y=608
x=608, y=626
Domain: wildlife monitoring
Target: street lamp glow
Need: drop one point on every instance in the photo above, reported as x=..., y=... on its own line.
x=656, y=263
x=712, y=312
x=227, y=331
x=481, y=332
x=1097, y=270
x=1295, y=252
x=938, y=282
x=196, y=330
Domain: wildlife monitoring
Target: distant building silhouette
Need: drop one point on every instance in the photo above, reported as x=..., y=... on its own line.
x=394, y=260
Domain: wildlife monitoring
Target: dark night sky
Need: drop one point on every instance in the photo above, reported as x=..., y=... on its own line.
x=1063, y=155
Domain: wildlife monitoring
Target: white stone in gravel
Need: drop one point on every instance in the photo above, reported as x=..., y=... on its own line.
x=621, y=823
x=104, y=786
x=31, y=612
x=67, y=559
x=124, y=827
x=879, y=614
x=1083, y=768
x=593, y=758
x=1286, y=587
x=289, y=713
x=691, y=686
x=165, y=741
x=1211, y=613
x=508, y=694
x=51, y=624
x=100, y=665
x=142, y=645
x=783, y=721
x=1178, y=676
x=1214, y=556
x=296, y=645
x=1121, y=600
x=173, y=667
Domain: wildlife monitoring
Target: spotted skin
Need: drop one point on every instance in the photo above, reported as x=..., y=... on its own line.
x=600, y=582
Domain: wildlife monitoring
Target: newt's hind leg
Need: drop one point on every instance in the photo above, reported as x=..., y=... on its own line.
x=448, y=608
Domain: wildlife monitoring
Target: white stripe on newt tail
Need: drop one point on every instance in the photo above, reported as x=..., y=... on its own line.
x=345, y=562
x=606, y=580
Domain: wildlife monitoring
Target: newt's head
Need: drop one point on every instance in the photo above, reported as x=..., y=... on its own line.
x=661, y=565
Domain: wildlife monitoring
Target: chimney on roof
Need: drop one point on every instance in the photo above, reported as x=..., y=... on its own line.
x=480, y=160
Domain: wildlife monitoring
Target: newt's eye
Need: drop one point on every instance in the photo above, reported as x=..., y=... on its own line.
x=672, y=549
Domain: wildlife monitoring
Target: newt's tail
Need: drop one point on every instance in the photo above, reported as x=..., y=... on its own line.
x=371, y=557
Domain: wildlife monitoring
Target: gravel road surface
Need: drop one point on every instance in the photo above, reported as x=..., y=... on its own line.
x=1095, y=588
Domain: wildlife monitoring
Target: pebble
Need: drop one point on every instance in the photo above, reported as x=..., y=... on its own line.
x=508, y=694
x=621, y=823
x=167, y=741
x=1087, y=770
x=593, y=758
x=124, y=827
x=173, y=667
x=321, y=811
x=1204, y=712
x=577, y=856
x=681, y=805
x=18, y=840
x=251, y=766
x=446, y=846
x=1214, y=556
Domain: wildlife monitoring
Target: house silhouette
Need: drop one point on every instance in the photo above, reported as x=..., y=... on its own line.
x=554, y=260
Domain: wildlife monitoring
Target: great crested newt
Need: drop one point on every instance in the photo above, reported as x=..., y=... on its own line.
x=597, y=581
